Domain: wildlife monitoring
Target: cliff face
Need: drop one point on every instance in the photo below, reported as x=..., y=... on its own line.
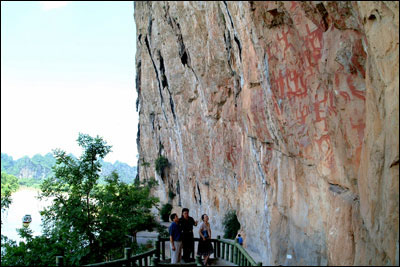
x=286, y=112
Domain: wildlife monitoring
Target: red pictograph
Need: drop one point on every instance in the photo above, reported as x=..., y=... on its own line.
x=353, y=89
x=314, y=43
x=302, y=113
x=360, y=126
x=297, y=79
x=284, y=38
x=302, y=93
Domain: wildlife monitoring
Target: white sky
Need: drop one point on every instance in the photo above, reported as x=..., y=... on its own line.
x=68, y=68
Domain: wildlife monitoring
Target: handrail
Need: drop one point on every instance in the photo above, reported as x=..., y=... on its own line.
x=142, y=259
x=223, y=249
x=234, y=252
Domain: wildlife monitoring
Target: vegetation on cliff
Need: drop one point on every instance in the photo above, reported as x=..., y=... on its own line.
x=161, y=163
x=231, y=225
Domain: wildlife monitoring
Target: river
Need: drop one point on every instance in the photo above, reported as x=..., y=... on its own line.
x=24, y=201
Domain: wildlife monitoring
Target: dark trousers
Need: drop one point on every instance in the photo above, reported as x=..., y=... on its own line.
x=187, y=246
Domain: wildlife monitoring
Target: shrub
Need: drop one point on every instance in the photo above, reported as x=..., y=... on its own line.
x=171, y=194
x=165, y=212
x=161, y=164
x=152, y=182
x=162, y=230
x=231, y=225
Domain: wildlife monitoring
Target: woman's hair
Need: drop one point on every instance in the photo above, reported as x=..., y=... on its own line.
x=202, y=216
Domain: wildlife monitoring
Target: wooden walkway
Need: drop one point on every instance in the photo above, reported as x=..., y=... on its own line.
x=144, y=236
x=226, y=253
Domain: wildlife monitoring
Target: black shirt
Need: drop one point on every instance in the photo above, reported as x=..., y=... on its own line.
x=186, y=225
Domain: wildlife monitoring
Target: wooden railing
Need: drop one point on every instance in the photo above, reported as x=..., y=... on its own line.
x=143, y=259
x=223, y=249
x=234, y=252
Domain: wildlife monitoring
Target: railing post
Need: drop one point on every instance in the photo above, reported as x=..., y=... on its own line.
x=259, y=263
x=154, y=261
x=218, y=244
x=223, y=250
x=198, y=261
x=127, y=253
x=158, y=246
x=235, y=253
x=59, y=261
x=230, y=251
x=215, y=249
x=163, y=249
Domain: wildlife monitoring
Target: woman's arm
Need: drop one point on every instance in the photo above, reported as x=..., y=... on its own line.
x=201, y=234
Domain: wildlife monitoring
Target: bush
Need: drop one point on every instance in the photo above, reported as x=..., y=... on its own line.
x=152, y=182
x=161, y=164
x=165, y=212
x=171, y=194
x=162, y=230
x=231, y=225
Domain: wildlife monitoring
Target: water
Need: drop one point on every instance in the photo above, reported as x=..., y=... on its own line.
x=24, y=201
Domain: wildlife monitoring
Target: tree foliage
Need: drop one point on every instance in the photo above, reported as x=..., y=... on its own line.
x=87, y=222
x=9, y=184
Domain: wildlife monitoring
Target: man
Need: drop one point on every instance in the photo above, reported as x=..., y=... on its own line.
x=175, y=239
x=186, y=223
x=240, y=240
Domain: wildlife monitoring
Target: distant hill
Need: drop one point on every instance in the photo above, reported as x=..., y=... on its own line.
x=39, y=167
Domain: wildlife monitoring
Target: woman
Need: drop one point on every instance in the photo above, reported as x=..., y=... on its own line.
x=205, y=247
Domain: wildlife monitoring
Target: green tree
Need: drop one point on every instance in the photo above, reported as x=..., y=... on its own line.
x=87, y=222
x=124, y=209
x=34, y=251
x=72, y=217
x=9, y=184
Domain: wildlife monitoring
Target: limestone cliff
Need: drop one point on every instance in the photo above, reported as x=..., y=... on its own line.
x=286, y=112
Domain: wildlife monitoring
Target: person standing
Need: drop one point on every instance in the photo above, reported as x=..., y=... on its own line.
x=175, y=239
x=240, y=239
x=186, y=223
x=205, y=247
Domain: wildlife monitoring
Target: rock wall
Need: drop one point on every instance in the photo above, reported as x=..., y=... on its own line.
x=287, y=112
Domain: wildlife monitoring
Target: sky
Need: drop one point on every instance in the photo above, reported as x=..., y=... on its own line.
x=68, y=68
